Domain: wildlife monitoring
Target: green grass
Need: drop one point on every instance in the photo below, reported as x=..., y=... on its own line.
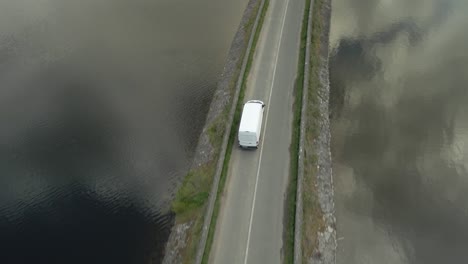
x=313, y=221
x=290, y=204
x=193, y=192
x=189, y=203
x=195, y=189
x=232, y=138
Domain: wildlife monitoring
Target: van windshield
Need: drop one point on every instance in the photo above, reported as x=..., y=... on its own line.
x=248, y=137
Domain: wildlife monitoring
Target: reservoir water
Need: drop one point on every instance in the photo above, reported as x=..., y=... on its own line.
x=101, y=105
x=399, y=108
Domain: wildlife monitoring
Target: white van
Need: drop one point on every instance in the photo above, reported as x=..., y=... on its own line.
x=251, y=124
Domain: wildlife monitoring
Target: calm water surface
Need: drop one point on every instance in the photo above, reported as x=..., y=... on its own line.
x=101, y=104
x=399, y=76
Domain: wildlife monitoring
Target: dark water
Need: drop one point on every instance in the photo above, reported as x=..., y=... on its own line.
x=399, y=105
x=101, y=104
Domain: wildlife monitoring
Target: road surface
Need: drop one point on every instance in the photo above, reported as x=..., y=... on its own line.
x=250, y=222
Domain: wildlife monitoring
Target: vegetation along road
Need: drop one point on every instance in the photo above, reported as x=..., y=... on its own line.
x=250, y=224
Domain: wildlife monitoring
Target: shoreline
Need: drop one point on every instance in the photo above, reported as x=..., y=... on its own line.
x=193, y=200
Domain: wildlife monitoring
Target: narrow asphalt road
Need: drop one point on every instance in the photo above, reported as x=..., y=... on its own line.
x=250, y=223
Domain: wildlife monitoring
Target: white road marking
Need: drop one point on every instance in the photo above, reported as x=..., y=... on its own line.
x=263, y=136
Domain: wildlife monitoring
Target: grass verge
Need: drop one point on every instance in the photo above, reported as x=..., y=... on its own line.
x=290, y=203
x=191, y=198
x=232, y=137
x=313, y=221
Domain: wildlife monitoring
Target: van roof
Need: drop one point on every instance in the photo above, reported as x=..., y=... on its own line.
x=250, y=116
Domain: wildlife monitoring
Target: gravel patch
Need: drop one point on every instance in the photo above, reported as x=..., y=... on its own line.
x=179, y=237
x=325, y=253
x=325, y=246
